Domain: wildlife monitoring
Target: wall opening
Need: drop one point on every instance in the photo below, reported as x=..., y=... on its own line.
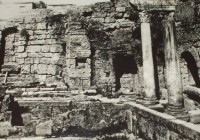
x=5, y=33
x=123, y=64
x=192, y=67
x=92, y=65
x=81, y=62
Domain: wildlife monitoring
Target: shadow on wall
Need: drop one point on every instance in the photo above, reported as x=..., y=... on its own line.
x=192, y=66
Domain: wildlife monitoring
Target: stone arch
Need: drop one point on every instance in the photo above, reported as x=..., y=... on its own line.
x=192, y=66
x=5, y=33
x=191, y=50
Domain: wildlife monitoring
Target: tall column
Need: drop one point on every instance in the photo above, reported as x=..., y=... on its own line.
x=148, y=65
x=172, y=68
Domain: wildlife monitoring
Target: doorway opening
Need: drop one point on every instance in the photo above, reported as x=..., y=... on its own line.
x=192, y=67
x=123, y=64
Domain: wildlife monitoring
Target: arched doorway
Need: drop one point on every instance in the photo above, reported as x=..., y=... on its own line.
x=192, y=67
x=5, y=33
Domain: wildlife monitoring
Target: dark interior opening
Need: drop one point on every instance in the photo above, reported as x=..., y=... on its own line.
x=6, y=32
x=123, y=64
x=192, y=66
x=80, y=62
x=92, y=65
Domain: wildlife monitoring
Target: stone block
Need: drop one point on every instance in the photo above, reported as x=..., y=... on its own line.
x=30, y=26
x=4, y=129
x=36, y=60
x=42, y=68
x=56, y=49
x=37, y=42
x=195, y=116
x=126, y=24
x=42, y=78
x=118, y=15
x=44, y=129
x=33, y=55
x=25, y=69
x=129, y=120
x=33, y=49
x=28, y=61
x=56, y=59
x=50, y=41
x=98, y=19
x=26, y=118
x=30, y=32
x=44, y=61
x=99, y=15
x=20, y=61
x=45, y=49
x=121, y=9
x=9, y=59
x=47, y=55
x=41, y=26
x=53, y=69
x=109, y=19
x=39, y=32
x=22, y=55
x=9, y=53
x=10, y=66
x=34, y=68
x=20, y=49
x=31, y=89
x=19, y=43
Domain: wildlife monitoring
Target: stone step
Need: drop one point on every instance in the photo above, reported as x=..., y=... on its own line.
x=21, y=99
x=46, y=94
x=10, y=75
x=27, y=103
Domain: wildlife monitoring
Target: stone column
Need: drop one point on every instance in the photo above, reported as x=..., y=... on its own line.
x=172, y=68
x=148, y=65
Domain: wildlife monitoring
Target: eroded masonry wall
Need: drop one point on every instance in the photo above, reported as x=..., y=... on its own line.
x=93, y=46
x=78, y=55
x=187, y=23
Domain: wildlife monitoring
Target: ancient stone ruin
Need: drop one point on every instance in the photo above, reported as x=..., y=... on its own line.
x=123, y=69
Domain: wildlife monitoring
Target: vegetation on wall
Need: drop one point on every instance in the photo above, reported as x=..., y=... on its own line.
x=24, y=33
x=61, y=22
x=39, y=5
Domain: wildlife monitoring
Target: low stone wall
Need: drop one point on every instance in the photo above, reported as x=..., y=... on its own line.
x=152, y=125
x=90, y=119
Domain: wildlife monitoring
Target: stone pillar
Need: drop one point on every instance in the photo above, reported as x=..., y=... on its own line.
x=172, y=68
x=148, y=65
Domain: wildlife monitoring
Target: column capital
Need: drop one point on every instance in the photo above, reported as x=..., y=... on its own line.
x=145, y=17
x=168, y=16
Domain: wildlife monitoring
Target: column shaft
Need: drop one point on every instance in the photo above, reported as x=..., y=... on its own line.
x=147, y=54
x=148, y=67
x=172, y=68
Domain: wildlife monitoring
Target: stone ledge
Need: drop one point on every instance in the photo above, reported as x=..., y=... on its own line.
x=186, y=129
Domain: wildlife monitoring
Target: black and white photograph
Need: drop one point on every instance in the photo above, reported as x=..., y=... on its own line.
x=99, y=69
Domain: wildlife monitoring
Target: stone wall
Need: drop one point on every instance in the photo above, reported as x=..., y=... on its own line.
x=62, y=50
x=187, y=23
x=97, y=119
x=94, y=45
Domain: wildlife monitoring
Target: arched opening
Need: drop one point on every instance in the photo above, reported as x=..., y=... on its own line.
x=192, y=67
x=5, y=33
x=123, y=64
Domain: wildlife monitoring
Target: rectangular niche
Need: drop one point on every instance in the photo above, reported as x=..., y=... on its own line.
x=81, y=62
